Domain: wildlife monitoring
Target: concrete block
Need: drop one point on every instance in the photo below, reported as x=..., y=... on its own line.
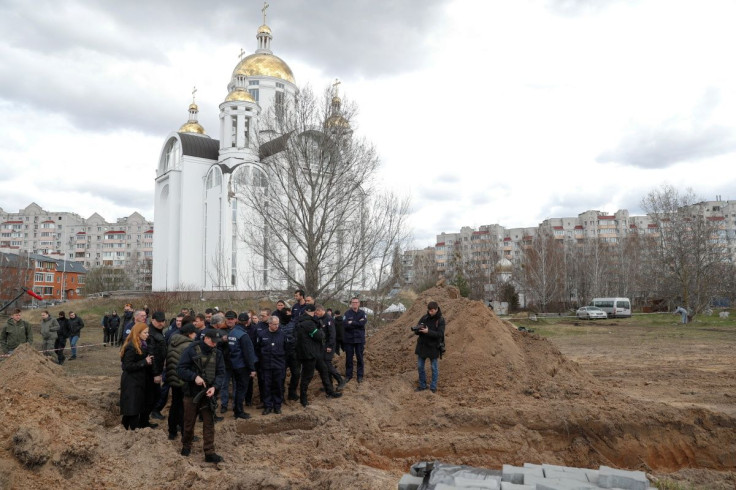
x=557, y=483
x=489, y=483
x=516, y=474
x=626, y=480
x=421, y=468
x=513, y=486
x=410, y=482
x=572, y=475
x=532, y=465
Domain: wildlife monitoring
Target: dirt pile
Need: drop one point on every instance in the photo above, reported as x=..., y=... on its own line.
x=504, y=397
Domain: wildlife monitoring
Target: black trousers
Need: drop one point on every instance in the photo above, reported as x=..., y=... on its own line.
x=59, y=345
x=176, y=410
x=308, y=366
x=331, y=369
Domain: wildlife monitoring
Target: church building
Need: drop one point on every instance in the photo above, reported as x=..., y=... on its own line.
x=199, y=219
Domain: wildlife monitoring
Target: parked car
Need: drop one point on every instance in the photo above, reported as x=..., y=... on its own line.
x=590, y=313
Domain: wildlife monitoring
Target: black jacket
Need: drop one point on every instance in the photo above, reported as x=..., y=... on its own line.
x=157, y=348
x=339, y=329
x=428, y=344
x=133, y=382
x=63, y=327
x=192, y=365
x=309, y=338
x=328, y=329
x=75, y=326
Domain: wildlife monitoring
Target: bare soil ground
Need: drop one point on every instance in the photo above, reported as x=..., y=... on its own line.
x=614, y=396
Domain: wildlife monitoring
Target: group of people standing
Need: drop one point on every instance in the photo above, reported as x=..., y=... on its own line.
x=198, y=358
x=54, y=332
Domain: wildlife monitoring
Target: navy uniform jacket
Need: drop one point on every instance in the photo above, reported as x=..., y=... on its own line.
x=354, y=324
x=271, y=349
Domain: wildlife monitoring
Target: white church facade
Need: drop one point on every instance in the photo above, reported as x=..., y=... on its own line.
x=199, y=220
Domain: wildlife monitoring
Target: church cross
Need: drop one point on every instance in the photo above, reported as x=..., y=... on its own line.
x=242, y=52
x=334, y=86
x=265, y=6
x=194, y=92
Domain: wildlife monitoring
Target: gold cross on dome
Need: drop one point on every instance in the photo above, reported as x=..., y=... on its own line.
x=242, y=52
x=194, y=92
x=334, y=86
x=265, y=6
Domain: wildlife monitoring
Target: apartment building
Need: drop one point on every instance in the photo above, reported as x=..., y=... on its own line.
x=489, y=245
x=93, y=242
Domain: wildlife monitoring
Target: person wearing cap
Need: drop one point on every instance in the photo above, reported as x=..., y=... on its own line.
x=353, y=341
x=309, y=339
x=252, y=326
x=157, y=348
x=242, y=360
x=328, y=328
x=201, y=367
x=431, y=333
x=271, y=350
x=177, y=344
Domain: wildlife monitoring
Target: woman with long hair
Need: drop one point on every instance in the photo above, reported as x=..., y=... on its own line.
x=135, y=363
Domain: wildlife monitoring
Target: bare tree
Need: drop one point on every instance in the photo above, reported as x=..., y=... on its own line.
x=690, y=250
x=322, y=221
x=542, y=269
x=106, y=278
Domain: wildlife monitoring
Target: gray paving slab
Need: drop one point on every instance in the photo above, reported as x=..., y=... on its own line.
x=624, y=479
x=410, y=482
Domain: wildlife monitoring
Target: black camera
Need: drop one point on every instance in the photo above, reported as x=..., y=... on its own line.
x=417, y=328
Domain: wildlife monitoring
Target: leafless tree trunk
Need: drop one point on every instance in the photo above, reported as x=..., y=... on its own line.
x=542, y=271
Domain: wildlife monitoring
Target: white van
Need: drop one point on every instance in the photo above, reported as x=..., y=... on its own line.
x=614, y=307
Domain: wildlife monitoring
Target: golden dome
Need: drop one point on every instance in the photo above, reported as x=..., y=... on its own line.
x=264, y=29
x=264, y=65
x=191, y=127
x=239, y=95
x=193, y=107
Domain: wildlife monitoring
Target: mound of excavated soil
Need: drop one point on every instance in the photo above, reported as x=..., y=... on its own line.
x=504, y=397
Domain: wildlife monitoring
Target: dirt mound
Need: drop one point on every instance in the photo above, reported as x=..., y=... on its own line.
x=485, y=355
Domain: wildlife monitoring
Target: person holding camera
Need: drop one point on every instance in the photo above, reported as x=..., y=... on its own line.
x=431, y=334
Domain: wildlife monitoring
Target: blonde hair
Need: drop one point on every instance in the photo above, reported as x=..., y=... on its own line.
x=134, y=337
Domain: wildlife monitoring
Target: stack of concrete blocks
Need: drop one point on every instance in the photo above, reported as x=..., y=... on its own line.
x=553, y=477
x=439, y=476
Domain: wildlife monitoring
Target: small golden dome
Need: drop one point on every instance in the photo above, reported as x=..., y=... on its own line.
x=264, y=29
x=193, y=107
x=239, y=95
x=337, y=121
x=336, y=100
x=264, y=65
x=191, y=127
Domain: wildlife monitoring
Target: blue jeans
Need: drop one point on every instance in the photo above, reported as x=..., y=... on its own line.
x=225, y=393
x=423, y=375
x=73, y=343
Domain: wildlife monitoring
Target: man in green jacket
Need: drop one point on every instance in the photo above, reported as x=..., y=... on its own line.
x=15, y=332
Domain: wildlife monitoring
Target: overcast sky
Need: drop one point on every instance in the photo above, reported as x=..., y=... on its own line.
x=483, y=111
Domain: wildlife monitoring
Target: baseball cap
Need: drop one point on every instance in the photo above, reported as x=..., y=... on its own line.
x=231, y=314
x=243, y=317
x=310, y=307
x=159, y=316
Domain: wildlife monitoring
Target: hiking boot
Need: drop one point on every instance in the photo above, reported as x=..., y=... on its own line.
x=185, y=451
x=334, y=394
x=266, y=411
x=213, y=458
x=157, y=415
x=277, y=410
x=293, y=397
x=360, y=379
x=244, y=416
x=172, y=436
x=341, y=384
x=223, y=409
x=433, y=390
x=217, y=418
x=419, y=388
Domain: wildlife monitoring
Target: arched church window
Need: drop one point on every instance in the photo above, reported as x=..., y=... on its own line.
x=214, y=178
x=250, y=177
x=171, y=155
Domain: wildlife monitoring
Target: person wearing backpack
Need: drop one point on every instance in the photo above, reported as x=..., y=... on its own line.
x=430, y=345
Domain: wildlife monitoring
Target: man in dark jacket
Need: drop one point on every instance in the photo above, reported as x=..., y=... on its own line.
x=431, y=332
x=243, y=362
x=63, y=335
x=328, y=328
x=252, y=329
x=177, y=345
x=309, y=351
x=127, y=323
x=157, y=348
x=292, y=360
x=201, y=368
x=354, y=322
x=271, y=350
x=75, y=328
x=113, y=327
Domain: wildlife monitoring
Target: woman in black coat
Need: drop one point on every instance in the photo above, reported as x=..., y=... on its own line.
x=135, y=364
x=431, y=332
